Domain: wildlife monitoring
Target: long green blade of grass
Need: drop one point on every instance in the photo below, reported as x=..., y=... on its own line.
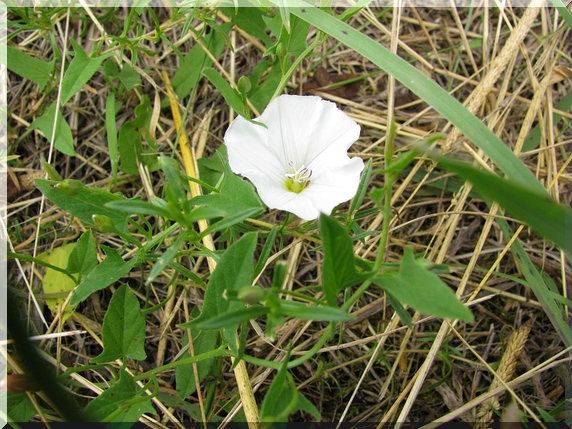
x=547, y=217
x=425, y=88
x=538, y=285
x=565, y=13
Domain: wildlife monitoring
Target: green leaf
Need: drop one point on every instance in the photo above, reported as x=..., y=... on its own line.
x=282, y=396
x=130, y=144
x=166, y=258
x=85, y=203
x=138, y=207
x=123, y=329
x=318, y=313
x=231, y=95
x=189, y=73
x=203, y=341
x=338, y=268
x=79, y=72
x=233, y=318
x=285, y=15
x=230, y=220
x=422, y=290
x=538, y=210
x=123, y=397
x=266, y=250
x=296, y=41
x=43, y=263
x=52, y=172
x=203, y=212
x=400, y=163
x=401, y=312
x=130, y=148
x=108, y=272
x=305, y=405
x=20, y=408
x=111, y=129
x=55, y=282
x=546, y=417
x=250, y=19
x=63, y=138
x=129, y=77
x=173, y=176
x=280, y=271
x=83, y=258
x=563, y=11
x=29, y=67
x=236, y=195
x=362, y=188
x=211, y=169
x=234, y=270
x=262, y=92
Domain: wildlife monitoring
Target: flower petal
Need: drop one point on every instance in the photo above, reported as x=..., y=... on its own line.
x=335, y=186
x=248, y=150
x=335, y=154
x=302, y=128
x=321, y=196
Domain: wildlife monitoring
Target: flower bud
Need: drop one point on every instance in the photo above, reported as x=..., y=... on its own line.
x=103, y=223
x=70, y=186
x=281, y=50
x=243, y=85
x=251, y=294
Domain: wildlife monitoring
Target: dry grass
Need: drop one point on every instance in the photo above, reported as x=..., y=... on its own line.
x=437, y=370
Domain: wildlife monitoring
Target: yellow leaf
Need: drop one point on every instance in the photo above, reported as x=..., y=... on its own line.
x=56, y=282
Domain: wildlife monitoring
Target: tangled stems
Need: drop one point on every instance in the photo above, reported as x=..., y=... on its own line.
x=390, y=177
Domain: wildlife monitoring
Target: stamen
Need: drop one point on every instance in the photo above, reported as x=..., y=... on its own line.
x=301, y=176
x=299, y=180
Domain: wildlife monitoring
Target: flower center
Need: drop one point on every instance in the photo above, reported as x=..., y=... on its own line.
x=298, y=181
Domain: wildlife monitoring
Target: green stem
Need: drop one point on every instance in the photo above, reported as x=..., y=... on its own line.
x=41, y=262
x=284, y=81
x=221, y=351
x=310, y=353
x=355, y=296
x=389, y=179
x=387, y=215
x=384, y=238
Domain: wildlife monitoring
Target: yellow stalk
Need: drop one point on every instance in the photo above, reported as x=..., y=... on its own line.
x=189, y=160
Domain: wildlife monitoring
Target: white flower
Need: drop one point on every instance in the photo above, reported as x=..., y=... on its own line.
x=299, y=162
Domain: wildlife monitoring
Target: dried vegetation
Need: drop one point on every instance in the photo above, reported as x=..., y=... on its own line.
x=376, y=369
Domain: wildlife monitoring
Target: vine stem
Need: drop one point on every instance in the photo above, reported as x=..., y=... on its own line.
x=388, y=188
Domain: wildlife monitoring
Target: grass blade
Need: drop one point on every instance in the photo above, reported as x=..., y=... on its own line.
x=541, y=212
x=425, y=88
x=538, y=286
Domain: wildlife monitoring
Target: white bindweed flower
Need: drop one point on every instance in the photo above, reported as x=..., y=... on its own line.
x=299, y=162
